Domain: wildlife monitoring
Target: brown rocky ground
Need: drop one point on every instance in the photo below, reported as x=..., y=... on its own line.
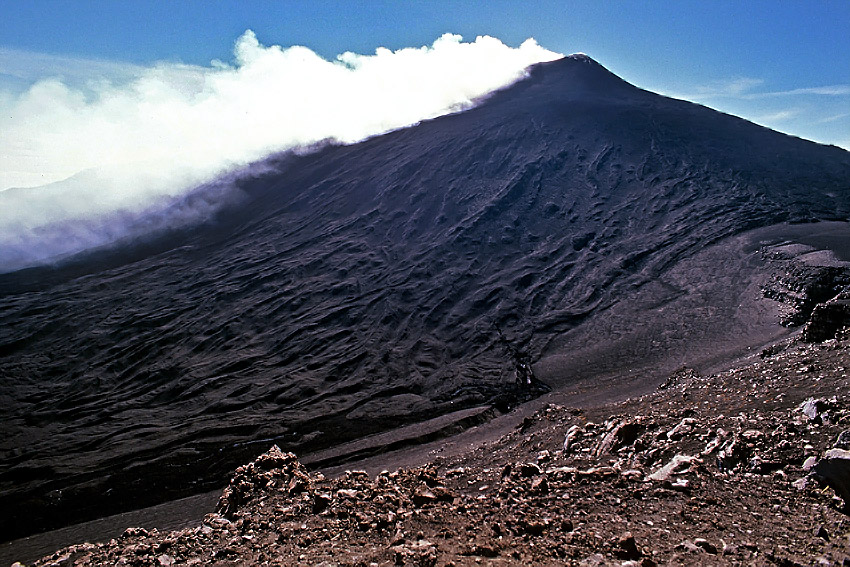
x=728, y=469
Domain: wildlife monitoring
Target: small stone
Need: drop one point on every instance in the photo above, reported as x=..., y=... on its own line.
x=812, y=408
x=822, y=533
x=843, y=440
x=569, y=439
x=683, y=428
x=529, y=470
x=732, y=454
x=595, y=560
x=688, y=546
x=165, y=560
x=482, y=551
x=534, y=527
x=627, y=547
x=539, y=485
x=809, y=463
x=706, y=545
x=423, y=496
x=321, y=501
x=675, y=466
x=349, y=493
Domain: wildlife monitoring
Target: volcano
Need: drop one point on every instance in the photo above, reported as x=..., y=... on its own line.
x=569, y=230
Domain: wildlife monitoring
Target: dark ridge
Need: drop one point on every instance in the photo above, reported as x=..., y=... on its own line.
x=358, y=288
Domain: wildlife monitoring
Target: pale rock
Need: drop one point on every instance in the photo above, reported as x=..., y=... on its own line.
x=675, y=466
x=572, y=434
x=683, y=428
x=809, y=463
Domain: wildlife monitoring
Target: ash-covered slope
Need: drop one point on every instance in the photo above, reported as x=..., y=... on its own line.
x=360, y=287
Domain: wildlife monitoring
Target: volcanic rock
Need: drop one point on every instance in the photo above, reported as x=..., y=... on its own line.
x=843, y=440
x=678, y=465
x=472, y=261
x=627, y=547
x=623, y=433
x=828, y=319
x=834, y=468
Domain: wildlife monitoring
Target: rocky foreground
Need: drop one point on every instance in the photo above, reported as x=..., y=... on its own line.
x=749, y=466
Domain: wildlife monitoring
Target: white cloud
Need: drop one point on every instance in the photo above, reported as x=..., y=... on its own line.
x=28, y=66
x=744, y=88
x=779, y=116
x=834, y=118
x=831, y=90
x=735, y=87
x=732, y=87
x=817, y=114
x=154, y=133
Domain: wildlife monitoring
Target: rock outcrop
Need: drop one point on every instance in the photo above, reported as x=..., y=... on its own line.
x=749, y=466
x=828, y=319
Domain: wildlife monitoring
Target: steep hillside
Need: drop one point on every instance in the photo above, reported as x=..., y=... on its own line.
x=353, y=289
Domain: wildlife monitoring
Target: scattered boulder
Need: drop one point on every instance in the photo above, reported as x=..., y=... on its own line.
x=421, y=553
x=716, y=442
x=834, y=469
x=843, y=440
x=828, y=319
x=733, y=453
x=683, y=428
x=423, y=496
x=627, y=547
x=271, y=469
x=705, y=545
x=809, y=463
x=477, y=550
x=690, y=546
x=572, y=433
x=622, y=433
x=624, y=491
x=529, y=469
x=682, y=376
x=678, y=465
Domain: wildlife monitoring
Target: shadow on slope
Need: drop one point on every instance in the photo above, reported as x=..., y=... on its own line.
x=359, y=288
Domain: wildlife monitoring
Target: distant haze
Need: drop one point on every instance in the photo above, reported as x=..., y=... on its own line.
x=84, y=166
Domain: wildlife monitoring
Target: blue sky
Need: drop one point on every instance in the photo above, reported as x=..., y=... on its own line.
x=784, y=64
x=111, y=110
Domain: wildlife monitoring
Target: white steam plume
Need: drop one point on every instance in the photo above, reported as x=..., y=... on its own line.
x=104, y=156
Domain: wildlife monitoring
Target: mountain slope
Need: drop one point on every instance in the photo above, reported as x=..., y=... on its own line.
x=356, y=288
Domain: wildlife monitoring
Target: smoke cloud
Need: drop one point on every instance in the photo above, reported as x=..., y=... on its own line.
x=85, y=166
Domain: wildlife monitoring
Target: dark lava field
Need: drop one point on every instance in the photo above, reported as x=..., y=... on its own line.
x=572, y=223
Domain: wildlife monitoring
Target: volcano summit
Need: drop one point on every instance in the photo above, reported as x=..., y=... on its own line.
x=572, y=225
